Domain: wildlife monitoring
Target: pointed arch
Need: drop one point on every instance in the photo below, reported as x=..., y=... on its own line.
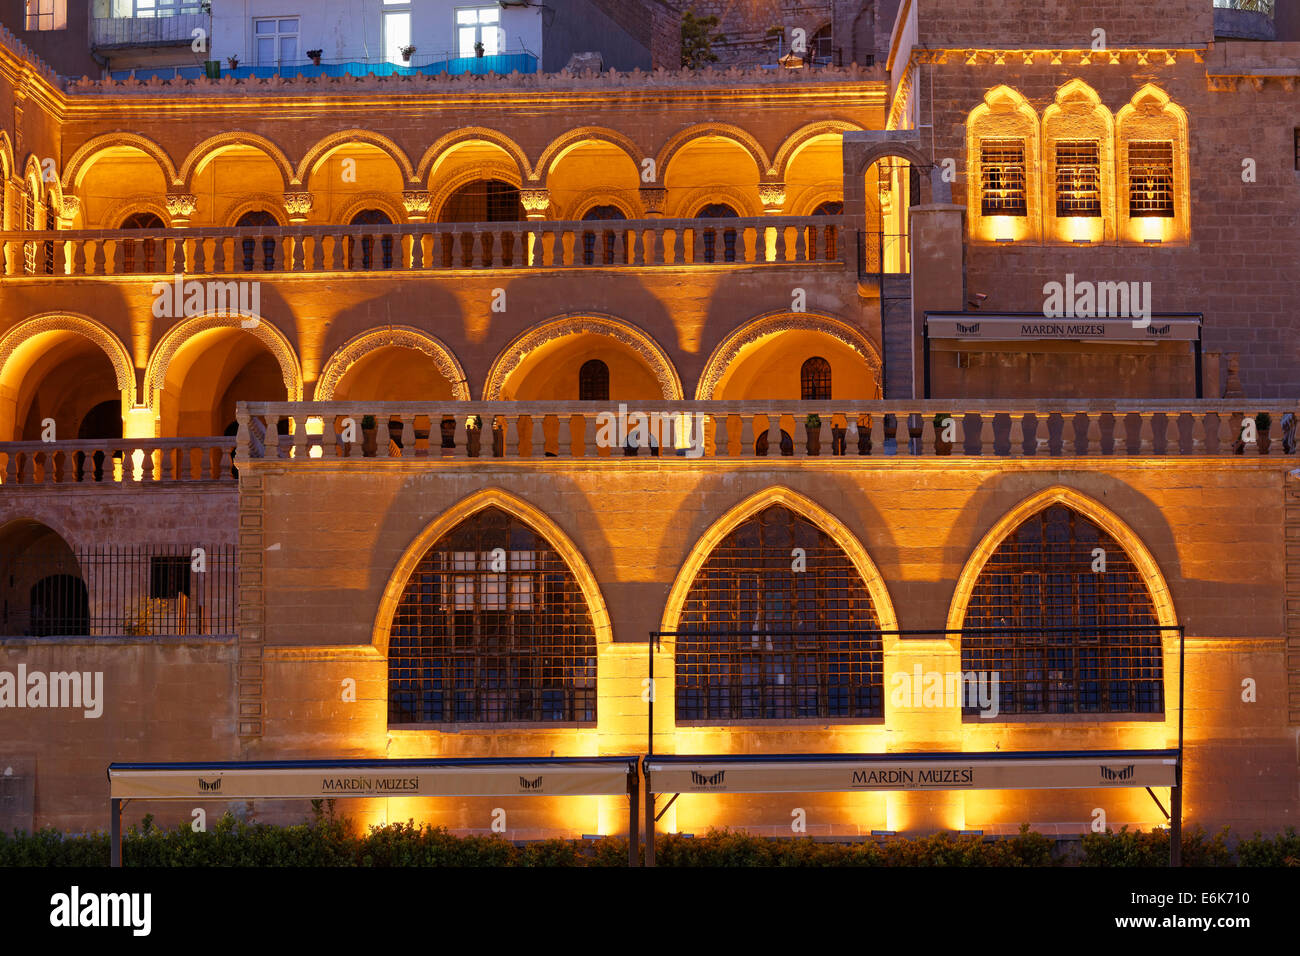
x=74, y=172
x=740, y=137
x=1005, y=118
x=1091, y=509
x=445, y=145
x=620, y=331
x=1153, y=118
x=6, y=155
x=559, y=147
x=213, y=146
x=466, y=508
x=773, y=323
x=362, y=344
x=800, y=138
x=83, y=325
x=334, y=141
x=806, y=508
x=276, y=342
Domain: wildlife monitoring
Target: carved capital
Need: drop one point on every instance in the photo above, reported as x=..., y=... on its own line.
x=70, y=210
x=773, y=197
x=535, y=202
x=417, y=203
x=652, y=198
x=297, y=205
x=180, y=207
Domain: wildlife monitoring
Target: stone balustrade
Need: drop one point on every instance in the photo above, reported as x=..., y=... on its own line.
x=123, y=462
x=917, y=429
x=424, y=247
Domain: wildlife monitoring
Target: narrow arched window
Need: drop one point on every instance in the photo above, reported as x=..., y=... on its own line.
x=374, y=217
x=601, y=214
x=762, y=638
x=492, y=627
x=258, y=218
x=140, y=220
x=815, y=380
x=593, y=381
x=718, y=210
x=1062, y=636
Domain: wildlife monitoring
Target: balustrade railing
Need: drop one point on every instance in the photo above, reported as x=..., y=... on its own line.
x=423, y=247
x=121, y=462
x=540, y=431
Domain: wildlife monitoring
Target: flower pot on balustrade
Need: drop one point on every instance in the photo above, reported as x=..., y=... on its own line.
x=813, y=430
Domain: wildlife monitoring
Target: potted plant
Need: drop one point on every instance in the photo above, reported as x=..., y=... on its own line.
x=368, y=446
x=314, y=56
x=1263, y=422
x=473, y=435
x=813, y=429
x=212, y=69
x=478, y=48
x=233, y=61
x=942, y=421
x=864, y=434
x=406, y=52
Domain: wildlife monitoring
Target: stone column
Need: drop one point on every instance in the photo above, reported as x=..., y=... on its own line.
x=773, y=198
x=417, y=203
x=297, y=205
x=180, y=208
x=536, y=202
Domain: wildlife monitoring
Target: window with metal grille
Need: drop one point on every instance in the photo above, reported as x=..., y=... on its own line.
x=815, y=380
x=609, y=236
x=492, y=628
x=1150, y=179
x=761, y=641
x=717, y=210
x=372, y=217
x=1042, y=577
x=258, y=218
x=29, y=223
x=1078, y=178
x=593, y=381
x=829, y=208
x=1002, y=172
x=139, y=220
x=51, y=224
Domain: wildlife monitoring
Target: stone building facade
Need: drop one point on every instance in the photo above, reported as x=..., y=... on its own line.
x=391, y=417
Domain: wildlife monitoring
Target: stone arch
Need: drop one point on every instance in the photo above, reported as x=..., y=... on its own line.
x=745, y=140
x=213, y=146
x=562, y=144
x=133, y=204
x=502, y=171
x=404, y=336
x=697, y=199
x=805, y=508
x=773, y=323
x=467, y=508
x=276, y=342
x=1095, y=512
x=6, y=155
x=322, y=149
x=608, y=326
x=380, y=201
x=444, y=145
x=622, y=203
x=1152, y=114
x=258, y=202
x=893, y=150
x=101, y=335
x=1078, y=113
x=796, y=141
x=1004, y=114
x=76, y=168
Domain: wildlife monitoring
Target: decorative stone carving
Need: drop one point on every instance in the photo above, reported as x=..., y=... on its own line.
x=773, y=197
x=417, y=203
x=652, y=198
x=350, y=352
x=70, y=209
x=297, y=205
x=535, y=202
x=180, y=207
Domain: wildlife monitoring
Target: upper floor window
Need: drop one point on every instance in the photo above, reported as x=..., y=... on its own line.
x=397, y=29
x=815, y=380
x=820, y=47
x=718, y=210
x=276, y=41
x=1002, y=183
x=1150, y=179
x=1078, y=178
x=164, y=8
x=47, y=14
x=479, y=25
x=593, y=381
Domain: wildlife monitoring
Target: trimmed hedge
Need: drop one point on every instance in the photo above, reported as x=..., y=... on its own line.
x=331, y=842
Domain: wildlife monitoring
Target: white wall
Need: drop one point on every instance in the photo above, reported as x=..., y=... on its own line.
x=351, y=29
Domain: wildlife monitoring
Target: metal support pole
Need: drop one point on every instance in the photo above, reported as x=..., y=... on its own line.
x=649, y=824
x=1176, y=819
x=633, y=824
x=115, y=839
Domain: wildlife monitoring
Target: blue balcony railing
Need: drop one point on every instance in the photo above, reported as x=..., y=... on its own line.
x=504, y=63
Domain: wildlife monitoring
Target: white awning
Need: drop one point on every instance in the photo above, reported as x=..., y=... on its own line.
x=993, y=327
x=681, y=774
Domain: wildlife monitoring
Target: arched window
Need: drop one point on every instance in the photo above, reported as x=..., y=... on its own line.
x=492, y=627
x=101, y=423
x=601, y=214
x=29, y=224
x=815, y=380
x=832, y=207
x=373, y=217
x=593, y=381
x=759, y=640
x=59, y=607
x=718, y=210
x=253, y=219
x=821, y=51
x=140, y=220
x=1042, y=576
x=484, y=200
x=51, y=224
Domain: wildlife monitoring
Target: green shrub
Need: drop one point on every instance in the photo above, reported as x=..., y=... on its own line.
x=1283, y=849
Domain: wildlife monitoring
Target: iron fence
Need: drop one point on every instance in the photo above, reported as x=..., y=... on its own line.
x=115, y=591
